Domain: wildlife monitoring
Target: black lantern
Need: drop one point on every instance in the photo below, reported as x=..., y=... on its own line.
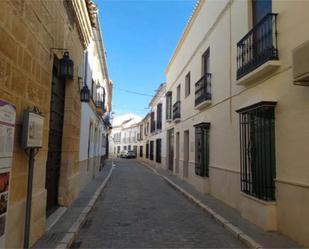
x=85, y=94
x=66, y=67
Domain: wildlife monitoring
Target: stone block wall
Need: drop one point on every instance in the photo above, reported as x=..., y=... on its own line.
x=28, y=31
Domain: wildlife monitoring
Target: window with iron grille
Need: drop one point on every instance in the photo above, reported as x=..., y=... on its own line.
x=141, y=151
x=202, y=149
x=168, y=105
x=159, y=116
x=158, y=150
x=147, y=150
x=151, y=150
x=257, y=150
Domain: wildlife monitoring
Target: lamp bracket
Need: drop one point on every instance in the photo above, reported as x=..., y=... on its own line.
x=56, y=49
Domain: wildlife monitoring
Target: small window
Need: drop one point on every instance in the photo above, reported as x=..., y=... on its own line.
x=141, y=151
x=202, y=149
x=187, y=85
x=257, y=150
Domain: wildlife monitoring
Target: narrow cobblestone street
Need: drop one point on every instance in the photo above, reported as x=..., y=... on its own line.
x=138, y=209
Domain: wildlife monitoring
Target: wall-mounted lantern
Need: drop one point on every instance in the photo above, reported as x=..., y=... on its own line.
x=85, y=94
x=66, y=67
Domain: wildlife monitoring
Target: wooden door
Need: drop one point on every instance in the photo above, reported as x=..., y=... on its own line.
x=55, y=141
x=186, y=154
x=171, y=150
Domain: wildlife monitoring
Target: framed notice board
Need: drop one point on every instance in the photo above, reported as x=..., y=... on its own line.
x=7, y=129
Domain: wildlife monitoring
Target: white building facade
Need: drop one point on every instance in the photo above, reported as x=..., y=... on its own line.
x=153, y=131
x=93, y=147
x=125, y=134
x=235, y=128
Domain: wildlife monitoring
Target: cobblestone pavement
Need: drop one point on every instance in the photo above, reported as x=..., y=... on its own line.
x=140, y=210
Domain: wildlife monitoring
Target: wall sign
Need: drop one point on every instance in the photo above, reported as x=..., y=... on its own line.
x=7, y=127
x=7, y=124
x=33, y=125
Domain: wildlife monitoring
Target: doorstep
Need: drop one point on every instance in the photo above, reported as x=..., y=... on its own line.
x=62, y=233
x=252, y=235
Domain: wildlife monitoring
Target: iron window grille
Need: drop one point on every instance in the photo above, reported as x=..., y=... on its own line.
x=203, y=89
x=158, y=150
x=257, y=150
x=202, y=149
x=258, y=46
x=176, y=110
x=151, y=150
x=168, y=105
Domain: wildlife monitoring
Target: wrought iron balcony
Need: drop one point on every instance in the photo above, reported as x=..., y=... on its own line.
x=100, y=107
x=258, y=46
x=202, y=90
x=176, y=111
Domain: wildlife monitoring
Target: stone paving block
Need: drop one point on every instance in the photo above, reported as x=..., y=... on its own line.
x=139, y=210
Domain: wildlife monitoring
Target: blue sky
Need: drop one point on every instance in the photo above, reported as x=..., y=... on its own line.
x=140, y=37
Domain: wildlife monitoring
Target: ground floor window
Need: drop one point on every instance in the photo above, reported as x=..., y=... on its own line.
x=158, y=150
x=124, y=147
x=147, y=150
x=135, y=149
x=118, y=149
x=202, y=149
x=257, y=150
x=129, y=147
x=141, y=151
x=151, y=151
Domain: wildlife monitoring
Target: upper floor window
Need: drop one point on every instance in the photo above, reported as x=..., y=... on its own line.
x=169, y=105
x=159, y=116
x=260, y=8
x=203, y=85
x=257, y=148
x=205, y=62
x=152, y=122
x=259, y=45
x=93, y=89
x=202, y=149
x=187, y=85
x=178, y=93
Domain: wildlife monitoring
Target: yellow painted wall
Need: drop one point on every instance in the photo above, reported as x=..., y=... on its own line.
x=219, y=25
x=28, y=30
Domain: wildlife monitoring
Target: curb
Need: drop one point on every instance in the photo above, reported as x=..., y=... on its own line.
x=69, y=237
x=236, y=232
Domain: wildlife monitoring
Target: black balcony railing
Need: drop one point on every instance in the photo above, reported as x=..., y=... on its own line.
x=176, y=110
x=258, y=46
x=99, y=104
x=202, y=89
